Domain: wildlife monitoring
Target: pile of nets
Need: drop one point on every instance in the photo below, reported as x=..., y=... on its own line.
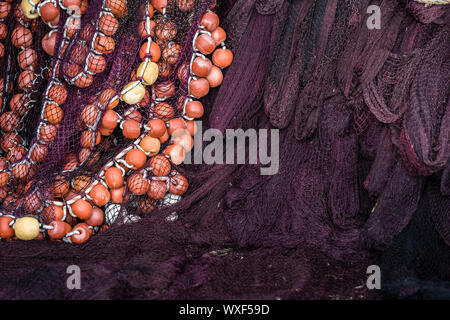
x=364, y=154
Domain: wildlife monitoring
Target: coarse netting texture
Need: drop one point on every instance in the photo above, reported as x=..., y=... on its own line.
x=364, y=164
x=71, y=155
x=25, y=67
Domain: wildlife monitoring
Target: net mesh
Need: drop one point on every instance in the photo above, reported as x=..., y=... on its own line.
x=364, y=118
x=94, y=70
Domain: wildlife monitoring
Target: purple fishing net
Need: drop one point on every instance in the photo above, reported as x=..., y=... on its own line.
x=364, y=147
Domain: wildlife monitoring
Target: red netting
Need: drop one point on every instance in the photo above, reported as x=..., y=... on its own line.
x=93, y=70
x=365, y=134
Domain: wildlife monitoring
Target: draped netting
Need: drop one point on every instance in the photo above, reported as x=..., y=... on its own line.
x=364, y=150
x=68, y=157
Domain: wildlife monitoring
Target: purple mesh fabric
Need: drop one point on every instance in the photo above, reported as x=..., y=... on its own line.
x=364, y=119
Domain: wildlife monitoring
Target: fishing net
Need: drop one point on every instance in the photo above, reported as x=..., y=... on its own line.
x=364, y=152
x=74, y=153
